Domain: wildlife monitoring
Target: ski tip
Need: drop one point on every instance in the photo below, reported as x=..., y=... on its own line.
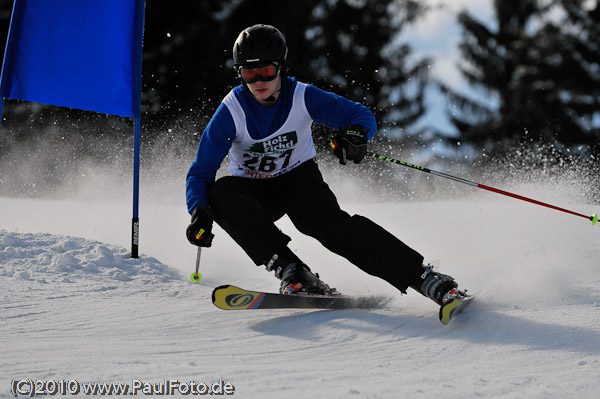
x=214, y=293
x=447, y=311
x=450, y=309
x=229, y=297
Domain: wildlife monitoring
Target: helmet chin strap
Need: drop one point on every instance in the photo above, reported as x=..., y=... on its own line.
x=272, y=98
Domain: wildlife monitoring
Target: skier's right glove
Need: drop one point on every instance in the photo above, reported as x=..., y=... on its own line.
x=350, y=144
x=199, y=231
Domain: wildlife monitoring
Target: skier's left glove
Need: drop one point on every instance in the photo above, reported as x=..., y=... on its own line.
x=199, y=231
x=350, y=144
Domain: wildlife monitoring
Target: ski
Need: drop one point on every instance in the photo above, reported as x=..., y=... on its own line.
x=449, y=310
x=230, y=297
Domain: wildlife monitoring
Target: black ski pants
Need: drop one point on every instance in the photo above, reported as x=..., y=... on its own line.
x=247, y=209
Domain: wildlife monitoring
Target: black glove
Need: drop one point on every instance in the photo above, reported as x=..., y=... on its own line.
x=199, y=231
x=350, y=144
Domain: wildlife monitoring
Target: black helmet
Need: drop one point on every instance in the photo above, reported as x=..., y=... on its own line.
x=259, y=44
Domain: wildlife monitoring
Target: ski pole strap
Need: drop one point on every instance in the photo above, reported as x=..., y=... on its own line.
x=593, y=218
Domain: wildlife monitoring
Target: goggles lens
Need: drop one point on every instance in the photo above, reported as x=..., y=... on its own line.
x=264, y=73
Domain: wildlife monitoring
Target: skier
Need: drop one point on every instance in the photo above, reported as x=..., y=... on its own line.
x=264, y=125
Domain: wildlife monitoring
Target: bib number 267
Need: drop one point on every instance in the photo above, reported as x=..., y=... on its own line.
x=267, y=163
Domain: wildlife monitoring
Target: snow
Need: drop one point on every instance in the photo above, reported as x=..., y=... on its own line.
x=75, y=306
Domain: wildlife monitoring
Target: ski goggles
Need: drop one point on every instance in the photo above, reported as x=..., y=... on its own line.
x=264, y=73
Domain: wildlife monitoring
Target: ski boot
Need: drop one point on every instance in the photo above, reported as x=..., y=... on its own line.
x=438, y=287
x=297, y=279
x=443, y=290
x=295, y=276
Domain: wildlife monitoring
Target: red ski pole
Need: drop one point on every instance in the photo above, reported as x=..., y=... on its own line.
x=593, y=218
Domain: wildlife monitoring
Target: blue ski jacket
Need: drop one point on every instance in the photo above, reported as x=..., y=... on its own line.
x=323, y=107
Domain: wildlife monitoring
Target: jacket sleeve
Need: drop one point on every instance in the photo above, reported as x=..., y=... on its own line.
x=336, y=111
x=212, y=149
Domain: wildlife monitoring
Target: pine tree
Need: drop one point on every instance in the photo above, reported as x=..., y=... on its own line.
x=528, y=64
x=578, y=39
x=353, y=49
x=494, y=61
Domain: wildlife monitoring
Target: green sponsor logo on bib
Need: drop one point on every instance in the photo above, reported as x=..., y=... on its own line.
x=275, y=145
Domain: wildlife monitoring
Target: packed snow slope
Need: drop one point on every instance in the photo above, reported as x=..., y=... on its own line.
x=75, y=306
